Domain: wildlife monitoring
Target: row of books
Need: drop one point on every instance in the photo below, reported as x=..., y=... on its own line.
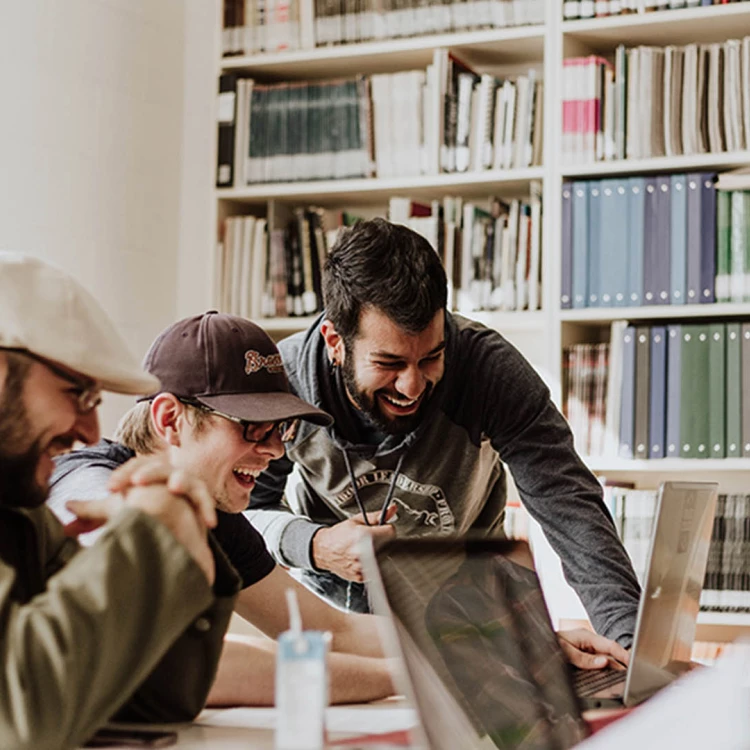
x=252, y=27
x=726, y=586
x=633, y=241
x=491, y=252
x=657, y=101
x=451, y=119
x=259, y=273
x=662, y=391
x=601, y=8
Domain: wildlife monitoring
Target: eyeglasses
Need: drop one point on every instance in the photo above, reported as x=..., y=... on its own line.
x=87, y=394
x=254, y=432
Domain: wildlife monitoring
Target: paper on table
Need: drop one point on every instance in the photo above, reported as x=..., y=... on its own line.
x=709, y=707
x=339, y=719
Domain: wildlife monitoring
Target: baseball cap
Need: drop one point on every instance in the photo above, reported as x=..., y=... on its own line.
x=229, y=364
x=48, y=313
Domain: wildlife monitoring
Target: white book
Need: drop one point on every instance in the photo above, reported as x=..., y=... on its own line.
x=614, y=389
x=536, y=246
x=237, y=264
x=509, y=122
x=689, y=99
x=668, y=82
x=610, y=105
x=732, y=96
x=522, y=257
x=225, y=301
x=245, y=280
x=242, y=130
x=258, y=271
x=381, y=88
x=745, y=88
x=498, y=127
x=715, y=124
x=632, y=132
x=483, y=123
x=510, y=251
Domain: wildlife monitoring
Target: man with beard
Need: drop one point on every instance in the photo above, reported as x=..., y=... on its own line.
x=86, y=635
x=428, y=408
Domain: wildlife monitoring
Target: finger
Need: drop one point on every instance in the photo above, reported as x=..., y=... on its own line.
x=195, y=491
x=381, y=534
x=373, y=519
x=93, y=510
x=602, y=645
x=79, y=526
x=581, y=659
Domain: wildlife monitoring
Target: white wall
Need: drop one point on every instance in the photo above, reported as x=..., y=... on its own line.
x=91, y=98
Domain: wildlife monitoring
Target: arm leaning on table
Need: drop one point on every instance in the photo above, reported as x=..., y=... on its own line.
x=109, y=624
x=358, y=671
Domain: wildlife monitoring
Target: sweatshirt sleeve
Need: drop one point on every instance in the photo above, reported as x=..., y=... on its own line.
x=287, y=535
x=75, y=654
x=534, y=440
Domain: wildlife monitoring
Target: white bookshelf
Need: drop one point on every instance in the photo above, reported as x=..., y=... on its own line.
x=369, y=190
x=541, y=335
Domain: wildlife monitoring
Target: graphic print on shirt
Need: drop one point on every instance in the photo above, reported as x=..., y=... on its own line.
x=422, y=508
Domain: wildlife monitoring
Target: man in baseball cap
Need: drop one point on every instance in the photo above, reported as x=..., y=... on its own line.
x=224, y=411
x=88, y=634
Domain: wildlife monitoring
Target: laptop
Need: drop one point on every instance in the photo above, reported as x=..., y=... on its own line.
x=483, y=664
x=670, y=599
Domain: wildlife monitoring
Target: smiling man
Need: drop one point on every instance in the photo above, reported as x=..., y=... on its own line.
x=88, y=634
x=224, y=413
x=429, y=408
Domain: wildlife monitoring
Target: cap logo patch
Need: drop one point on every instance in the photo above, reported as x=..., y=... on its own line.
x=255, y=361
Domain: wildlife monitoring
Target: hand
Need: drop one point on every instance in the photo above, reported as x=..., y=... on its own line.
x=588, y=650
x=335, y=548
x=177, y=513
x=156, y=469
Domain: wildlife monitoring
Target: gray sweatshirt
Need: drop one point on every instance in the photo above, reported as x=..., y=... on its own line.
x=490, y=409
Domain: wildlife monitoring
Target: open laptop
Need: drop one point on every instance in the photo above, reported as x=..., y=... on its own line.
x=484, y=667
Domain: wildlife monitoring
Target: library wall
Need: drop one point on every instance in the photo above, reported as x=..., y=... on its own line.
x=89, y=163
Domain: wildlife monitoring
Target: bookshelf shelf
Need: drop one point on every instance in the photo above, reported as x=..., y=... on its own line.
x=521, y=44
x=370, y=190
x=727, y=619
x=659, y=164
x=510, y=321
x=654, y=312
x=685, y=26
x=694, y=466
x=286, y=325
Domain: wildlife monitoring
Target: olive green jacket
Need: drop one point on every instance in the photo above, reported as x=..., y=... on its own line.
x=126, y=629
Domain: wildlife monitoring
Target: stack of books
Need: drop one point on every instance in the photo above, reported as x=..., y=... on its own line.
x=672, y=391
x=451, y=119
x=257, y=26
x=657, y=101
x=633, y=241
x=601, y=8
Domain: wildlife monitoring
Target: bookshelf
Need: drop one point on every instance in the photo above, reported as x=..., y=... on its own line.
x=541, y=334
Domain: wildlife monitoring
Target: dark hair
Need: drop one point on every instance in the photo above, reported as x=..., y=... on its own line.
x=385, y=266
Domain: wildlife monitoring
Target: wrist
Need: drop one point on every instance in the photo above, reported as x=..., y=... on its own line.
x=316, y=549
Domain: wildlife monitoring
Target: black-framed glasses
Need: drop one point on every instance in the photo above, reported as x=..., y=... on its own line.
x=254, y=432
x=87, y=394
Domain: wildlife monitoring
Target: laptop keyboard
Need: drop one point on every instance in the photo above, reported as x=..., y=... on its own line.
x=590, y=681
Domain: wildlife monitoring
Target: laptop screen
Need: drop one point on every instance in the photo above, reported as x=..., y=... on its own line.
x=475, y=612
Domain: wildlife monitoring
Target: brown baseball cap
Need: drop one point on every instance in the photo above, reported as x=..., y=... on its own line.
x=229, y=364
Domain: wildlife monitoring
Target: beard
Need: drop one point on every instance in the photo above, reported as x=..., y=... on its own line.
x=371, y=408
x=18, y=484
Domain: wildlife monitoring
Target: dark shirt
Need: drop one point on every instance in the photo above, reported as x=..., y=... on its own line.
x=241, y=542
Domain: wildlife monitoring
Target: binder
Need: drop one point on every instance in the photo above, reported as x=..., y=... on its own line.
x=745, y=348
x=580, y=243
x=226, y=118
x=657, y=392
x=733, y=440
x=708, y=238
x=627, y=405
x=717, y=406
x=642, y=387
x=612, y=251
x=693, y=268
x=674, y=380
x=651, y=247
x=678, y=238
x=566, y=284
x=636, y=187
x=595, y=244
